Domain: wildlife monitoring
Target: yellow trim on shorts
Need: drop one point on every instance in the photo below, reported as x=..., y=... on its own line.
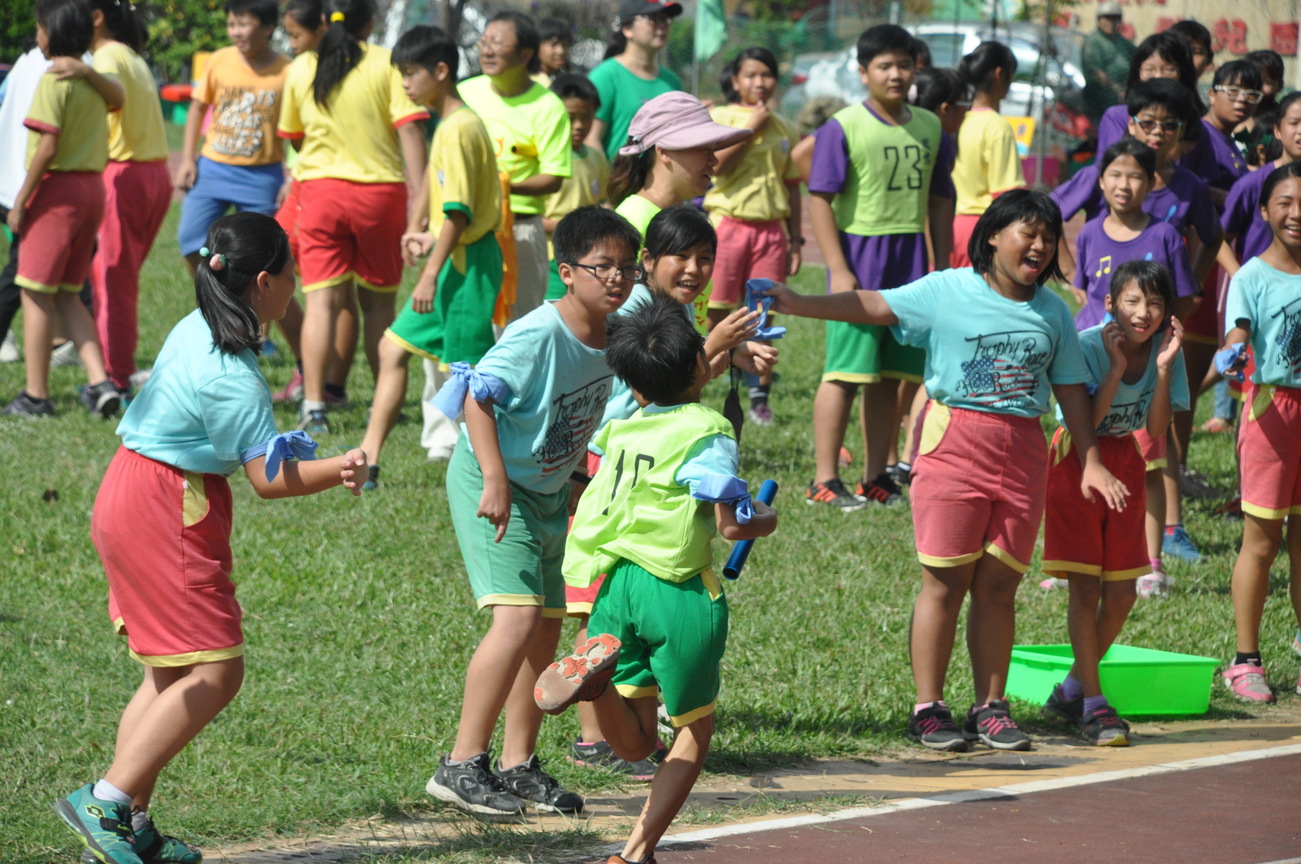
x=632, y=691
x=378, y=289
x=191, y=659
x=851, y=377
x=1263, y=399
x=955, y=561
x=577, y=610
x=38, y=287
x=1156, y=465
x=903, y=376
x=1006, y=557
x=194, y=500
x=1070, y=568
x=350, y=276
x=511, y=600
x=692, y=716
x=1268, y=512
x=1125, y=575
x=408, y=347
x=119, y=626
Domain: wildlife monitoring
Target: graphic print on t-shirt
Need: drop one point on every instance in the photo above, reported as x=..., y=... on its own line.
x=241, y=118
x=1289, y=339
x=1004, y=367
x=577, y=413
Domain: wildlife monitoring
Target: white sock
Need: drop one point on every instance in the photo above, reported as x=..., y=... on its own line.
x=106, y=791
x=310, y=406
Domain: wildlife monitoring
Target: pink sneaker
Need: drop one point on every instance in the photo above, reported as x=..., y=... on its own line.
x=580, y=677
x=1051, y=584
x=293, y=390
x=1247, y=681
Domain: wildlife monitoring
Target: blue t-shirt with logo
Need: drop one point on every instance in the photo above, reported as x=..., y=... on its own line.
x=1130, y=405
x=1269, y=302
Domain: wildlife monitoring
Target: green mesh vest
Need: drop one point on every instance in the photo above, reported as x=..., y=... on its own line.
x=889, y=181
x=635, y=509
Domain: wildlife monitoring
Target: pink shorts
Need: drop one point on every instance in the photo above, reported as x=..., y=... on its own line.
x=963, y=226
x=578, y=601
x=1152, y=449
x=351, y=231
x=1083, y=537
x=288, y=215
x=747, y=250
x=163, y=535
x=59, y=229
x=978, y=487
x=1269, y=452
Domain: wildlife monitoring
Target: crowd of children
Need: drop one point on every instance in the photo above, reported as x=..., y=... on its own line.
x=586, y=243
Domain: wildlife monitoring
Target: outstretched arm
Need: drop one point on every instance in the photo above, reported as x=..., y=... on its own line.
x=856, y=307
x=306, y=477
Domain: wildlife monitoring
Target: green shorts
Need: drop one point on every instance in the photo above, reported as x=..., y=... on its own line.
x=673, y=634
x=524, y=568
x=866, y=353
x=556, y=287
x=459, y=327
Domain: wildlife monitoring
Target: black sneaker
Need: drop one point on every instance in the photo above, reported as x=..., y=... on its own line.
x=25, y=406
x=881, y=490
x=473, y=787
x=599, y=754
x=1104, y=728
x=933, y=727
x=531, y=784
x=900, y=473
x=1070, y=710
x=993, y=726
x=102, y=398
x=833, y=492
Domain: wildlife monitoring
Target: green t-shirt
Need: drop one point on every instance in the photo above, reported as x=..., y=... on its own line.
x=888, y=189
x=1110, y=55
x=622, y=94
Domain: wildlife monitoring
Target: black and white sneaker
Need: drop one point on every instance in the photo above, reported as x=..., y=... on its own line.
x=102, y=399
x=529, y=782
x=933, y=727
x=473, y=787
x=994, y=727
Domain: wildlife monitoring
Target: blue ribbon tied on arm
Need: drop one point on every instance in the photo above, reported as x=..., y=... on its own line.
x=450, y=398
x=279, y=448
x=755, y=300
x=1229, y=360
x=726, y=489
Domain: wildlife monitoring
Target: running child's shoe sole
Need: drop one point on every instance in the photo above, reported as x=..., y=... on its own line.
x=580, y=677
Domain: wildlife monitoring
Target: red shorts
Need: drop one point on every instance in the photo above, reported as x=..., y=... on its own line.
x=578, y=601
x=747, y=250
x=1152, y=449
x=163, y=535
x=351, y=231
x=978, y=487
x=1205, y=324
x=1083, y=537
x=963, y=226
x=1269, y=451
x=288, y=215
x=59, y=229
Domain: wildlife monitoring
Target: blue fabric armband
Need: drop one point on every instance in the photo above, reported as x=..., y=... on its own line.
x=484, y=387
x=1230, y=359
x=287, y=445
x=755, y=299
x=726, y=489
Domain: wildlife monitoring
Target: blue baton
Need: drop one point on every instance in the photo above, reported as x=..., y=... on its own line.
x=741, y=551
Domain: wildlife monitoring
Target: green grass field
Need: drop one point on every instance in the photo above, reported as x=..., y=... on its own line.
x=358, y=621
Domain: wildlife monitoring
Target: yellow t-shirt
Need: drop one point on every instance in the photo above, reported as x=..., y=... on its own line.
x=755, y=190
x=529, y=132
x=74, y=111
x=987, y=161
x=245, y=107
x=463, y=176
x=136, y=133
x=585, y=186
x=355, y=138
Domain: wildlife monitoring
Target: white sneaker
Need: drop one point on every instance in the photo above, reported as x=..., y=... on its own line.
x=65, y=355
x=140, y=376
x=9, y=349
x=1155, y=584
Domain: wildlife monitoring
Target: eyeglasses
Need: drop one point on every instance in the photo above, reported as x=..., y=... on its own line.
x=1251, y=97
x=494, y=45
x=606, y=272
x=1150, y=126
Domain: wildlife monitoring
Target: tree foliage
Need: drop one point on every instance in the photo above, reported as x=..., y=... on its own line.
x=17, y=29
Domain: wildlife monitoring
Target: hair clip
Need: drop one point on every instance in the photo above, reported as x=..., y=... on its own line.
x=216, y=261
x=337, y=16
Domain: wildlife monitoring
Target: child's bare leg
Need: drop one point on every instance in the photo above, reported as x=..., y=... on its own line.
x=1261, y=539
x=880, y=423
x=489, y=677
x=390, y=391
x=670, y=788
x=377, y=309
x=318, y=338
x=991, y=626
x=1174, y=502
x=1082, y=625
x=630, y=725
x=1294, y=560
x=38, y=311
x=915, y=414
x=81, y=330
x=589, y=728
x=831, y=404
x=344, y=347
x=291, y=327
x=934, y=625
x=523, y=717
x=1154, y=483
x=1117, y=601
x=170, y=708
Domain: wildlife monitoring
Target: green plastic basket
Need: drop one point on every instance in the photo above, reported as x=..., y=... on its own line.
x=1135, y=680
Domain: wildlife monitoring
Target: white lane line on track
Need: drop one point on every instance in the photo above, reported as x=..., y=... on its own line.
x=940, y=799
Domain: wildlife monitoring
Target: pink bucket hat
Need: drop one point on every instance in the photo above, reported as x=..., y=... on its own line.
x=677, y=121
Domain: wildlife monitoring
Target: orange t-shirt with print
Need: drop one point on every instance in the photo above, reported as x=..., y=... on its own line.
x=245, y=109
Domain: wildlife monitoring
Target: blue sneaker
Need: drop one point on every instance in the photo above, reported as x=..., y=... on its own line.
x=103, y=826
x=153, y=846
x=1177, y=544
